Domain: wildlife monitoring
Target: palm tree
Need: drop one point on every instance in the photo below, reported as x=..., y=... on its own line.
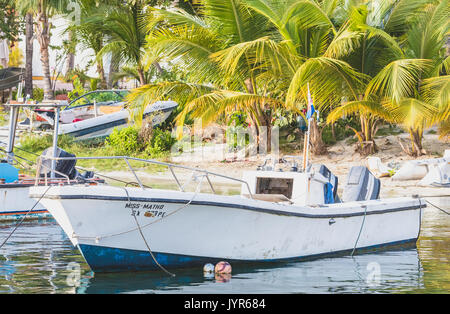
x=200, y=45
x=406, y=86
x=369, y=48
x=87, y=34
x=121, y=23
x=306, y=35
x=250, y=55
x=42, y=11
x=29, y=54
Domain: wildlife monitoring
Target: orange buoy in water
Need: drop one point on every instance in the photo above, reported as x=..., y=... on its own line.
x=222, y=268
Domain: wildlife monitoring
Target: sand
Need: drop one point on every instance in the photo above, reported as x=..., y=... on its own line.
x=340, y=158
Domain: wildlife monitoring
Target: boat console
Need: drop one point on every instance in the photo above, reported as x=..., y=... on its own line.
x=317, y=185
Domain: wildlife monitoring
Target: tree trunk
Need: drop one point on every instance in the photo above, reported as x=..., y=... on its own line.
x=29, y=55
x=369, y=129
x=159, y=68
x=113, y=68
x=416, y=143
x=333, y=131
x=43, y=37
x=70, y=62
x=101, y=73
x=142, y=80
x=265, y=119
x=317, y=145
x=416, y=149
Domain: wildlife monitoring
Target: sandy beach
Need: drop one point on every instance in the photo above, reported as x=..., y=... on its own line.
x=340, y=158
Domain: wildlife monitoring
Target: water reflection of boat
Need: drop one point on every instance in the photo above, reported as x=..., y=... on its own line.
x=34, y=260
x=399, y=271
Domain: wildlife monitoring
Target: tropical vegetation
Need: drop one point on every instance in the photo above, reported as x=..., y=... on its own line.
x=371, y=62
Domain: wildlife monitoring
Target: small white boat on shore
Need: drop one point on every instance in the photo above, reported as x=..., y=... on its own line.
x=279, y=216
x=97, y=113
x=434, y=171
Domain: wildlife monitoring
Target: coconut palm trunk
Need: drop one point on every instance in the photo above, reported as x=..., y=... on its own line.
x=141, y=74
x=70, y=61
x=317, y=145
x=416, y=143
x=29, y=55
x=43, y=37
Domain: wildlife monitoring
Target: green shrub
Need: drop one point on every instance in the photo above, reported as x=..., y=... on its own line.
x=38, y=94
x=160, y=144
x=38, y=143
x=125, y=141
x=340, y=129
x=78, y=90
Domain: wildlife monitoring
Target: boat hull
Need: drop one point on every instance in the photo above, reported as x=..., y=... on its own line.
x=102, y=126
x=15, y=203
x=184, y=230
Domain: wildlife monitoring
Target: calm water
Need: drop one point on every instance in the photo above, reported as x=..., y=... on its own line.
x=39, y=258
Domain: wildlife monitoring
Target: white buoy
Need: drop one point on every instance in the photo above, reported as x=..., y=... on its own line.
x=208, y=268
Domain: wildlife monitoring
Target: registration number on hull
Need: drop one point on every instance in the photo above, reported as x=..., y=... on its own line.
x=150, y=210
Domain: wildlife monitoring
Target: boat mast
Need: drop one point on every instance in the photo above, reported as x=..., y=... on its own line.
x=13, y=117
x=307, y=140
x=55, y=141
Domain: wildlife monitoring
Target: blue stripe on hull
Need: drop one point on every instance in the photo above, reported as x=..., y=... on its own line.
x=106, y=259
x=35, y=215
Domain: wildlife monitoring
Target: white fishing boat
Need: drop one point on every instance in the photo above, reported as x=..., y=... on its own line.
x=96, y=114
x=279, y=216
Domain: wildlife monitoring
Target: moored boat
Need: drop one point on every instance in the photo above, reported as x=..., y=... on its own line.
x=14, y=187
x=279, y=216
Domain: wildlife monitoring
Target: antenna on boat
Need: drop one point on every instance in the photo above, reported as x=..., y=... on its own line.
x=309, y=115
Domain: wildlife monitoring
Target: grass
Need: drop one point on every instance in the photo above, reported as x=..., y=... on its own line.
x=388, y=130
x=33, y=146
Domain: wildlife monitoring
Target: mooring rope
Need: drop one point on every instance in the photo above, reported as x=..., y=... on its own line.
x=442, y=210
x=145, y=241
x=139, y=228
x=24, y=217
x=360, y=230
x=98, y=238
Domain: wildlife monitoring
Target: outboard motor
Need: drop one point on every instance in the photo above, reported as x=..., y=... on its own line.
x=66, y=167
x=361, y=185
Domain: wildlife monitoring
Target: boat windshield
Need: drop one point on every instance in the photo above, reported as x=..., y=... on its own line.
x=102, y=98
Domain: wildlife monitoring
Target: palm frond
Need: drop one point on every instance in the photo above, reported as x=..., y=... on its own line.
x=411, y=112
x=362, y=107
x=329, y=78
x=398, y=79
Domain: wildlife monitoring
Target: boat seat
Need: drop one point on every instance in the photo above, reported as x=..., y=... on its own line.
x=110, y=109
x=273, y=198
x=361, y=185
